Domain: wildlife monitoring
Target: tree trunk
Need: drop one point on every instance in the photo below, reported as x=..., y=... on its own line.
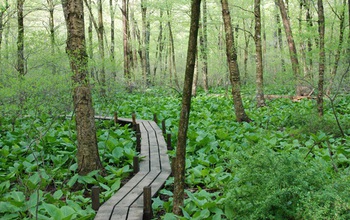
x=290, y=40
x=321, y=70
x=279, y=40
x=179, y=175
x=232, y=64
x=172, y=63
x=101, y=47
x=160, y=47
x=20, y=39
x=112, y=49
x=91, y=50
x=127, y=74
x=145, y=42
x=259, y=60
x=87, y=155
x=195, y=76
x=204, y=46
x=246, y=51
x=51, y=8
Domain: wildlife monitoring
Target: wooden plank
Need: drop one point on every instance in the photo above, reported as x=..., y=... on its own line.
x=135, y=213
x=155, y=168
x=156, y=185
x=138, y=190
x=119, y=213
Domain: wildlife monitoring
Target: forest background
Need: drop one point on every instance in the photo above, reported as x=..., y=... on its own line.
x=36, y=88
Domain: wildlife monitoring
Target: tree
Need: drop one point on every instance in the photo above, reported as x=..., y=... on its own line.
x=145, y=43
x=291, y=44
x=204, y=45
x=87, y=155
x=125, y=19
x=179, y=175
x=259, y=60
x=321, y=68
x=51, y=9
x=3, y=10
x=20, y=39
x=231, y=54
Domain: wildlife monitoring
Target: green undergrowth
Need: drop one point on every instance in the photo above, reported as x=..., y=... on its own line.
x=287, y=162
x=38, y=170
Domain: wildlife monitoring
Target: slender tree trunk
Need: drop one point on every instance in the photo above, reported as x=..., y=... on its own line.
x=195, y=77
x=145, y=42
x=280, y=41
x=20, y=39
x=179, y=175
x=87, y=154
x=101, y=47
x=204, y=46
x=232, y=64
x=321, y=70
x=127, y=74
x=259, y=60
x=51, y=8
x=90, y=48
x=112, y=49
x=339, y=48
x=172, y=63
x=246, y=51
x=290, y=39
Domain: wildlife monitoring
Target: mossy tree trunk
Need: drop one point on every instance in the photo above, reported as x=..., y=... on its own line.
x=87, y=155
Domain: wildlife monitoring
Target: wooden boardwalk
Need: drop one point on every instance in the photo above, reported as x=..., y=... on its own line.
x=155, y=168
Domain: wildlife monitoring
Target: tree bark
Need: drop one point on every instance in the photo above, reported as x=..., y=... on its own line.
x=112, y=49
x=279, y=40
x=125, y=13
x=20, y=39
x=259, y=60
x=179, y=175
x=51, y=8
x=160, y=47
x=204, y=46
x=145, y=42
x=290, y=40
x=87, y=155
x=231, y=54
x=321, y=68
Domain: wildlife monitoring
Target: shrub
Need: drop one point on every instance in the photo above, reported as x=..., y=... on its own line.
x=271, y=185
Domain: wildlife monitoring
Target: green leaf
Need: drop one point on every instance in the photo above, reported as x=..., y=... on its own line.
x=116, y=185
x=73, y=180
x=58, y=194
x=53, y=211
x=117, y=152
x=67, y=212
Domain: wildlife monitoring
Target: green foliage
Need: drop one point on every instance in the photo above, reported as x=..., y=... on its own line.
x=282, y=185
x=39, y=169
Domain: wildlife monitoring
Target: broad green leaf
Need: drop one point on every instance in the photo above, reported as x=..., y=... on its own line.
x=73, y=180
x=58, y=194
x=53, y=211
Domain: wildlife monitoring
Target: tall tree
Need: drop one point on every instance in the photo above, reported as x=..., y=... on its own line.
x=160, y=46
x=291, y=44
x=87, y=155
x=112, y=48
x=145, y=42
x=259, y=60
x=125, y=19
x=179, y=175
x=279, y=41
x=231, y=54
x=51, y=9
x=20, y=39
x=321, y=68
x=204, y=45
